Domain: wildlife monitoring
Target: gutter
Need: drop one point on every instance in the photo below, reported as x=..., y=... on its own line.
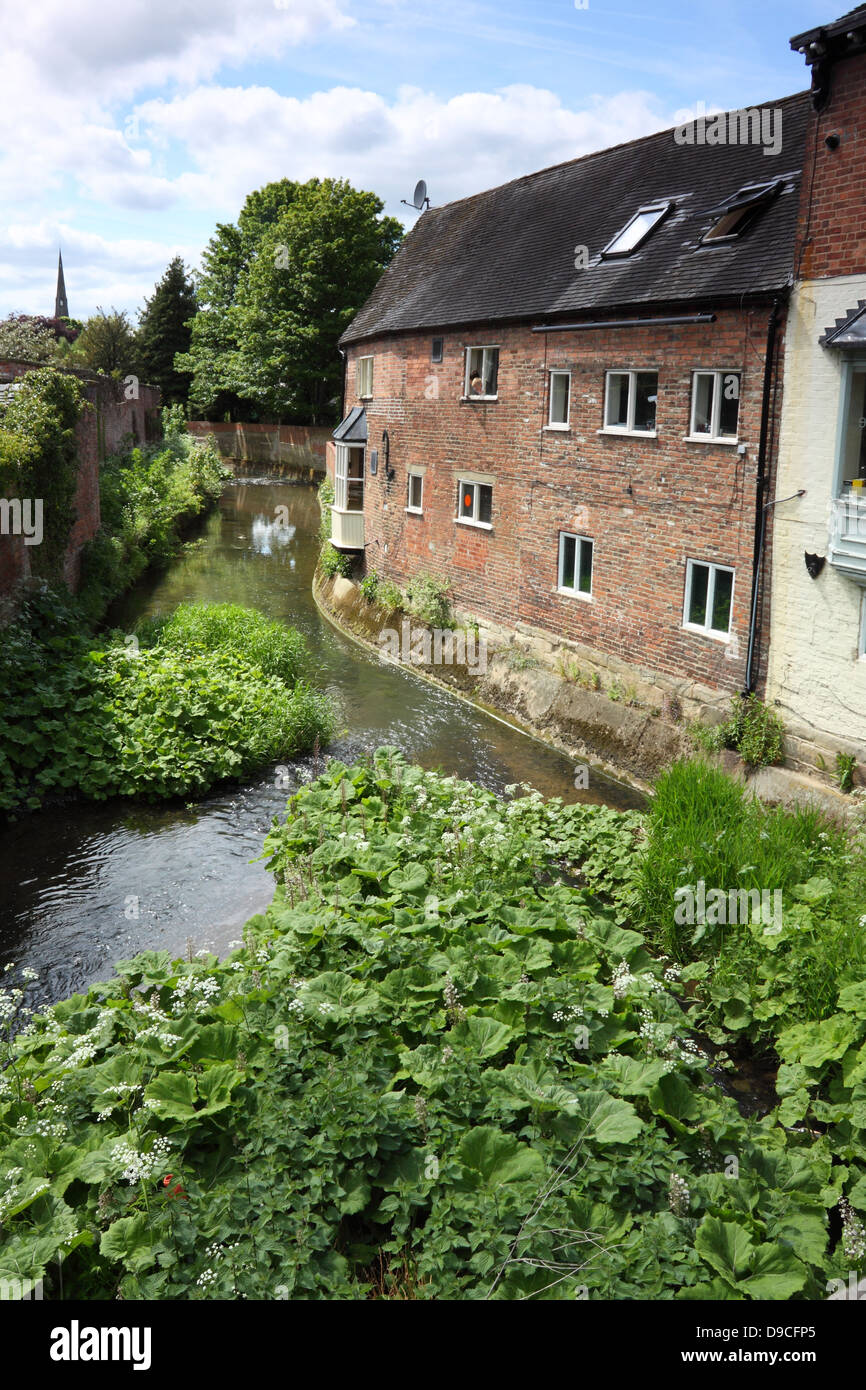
x=761, y=508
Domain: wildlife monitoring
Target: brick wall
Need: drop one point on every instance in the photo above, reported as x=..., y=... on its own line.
x=300, y=447
x=110, y=425
x=687, y=499
x=832, y=227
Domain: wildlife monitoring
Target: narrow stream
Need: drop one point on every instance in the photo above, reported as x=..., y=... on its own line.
x=85, y=885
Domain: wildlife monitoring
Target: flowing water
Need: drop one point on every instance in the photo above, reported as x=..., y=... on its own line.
x=84, y=885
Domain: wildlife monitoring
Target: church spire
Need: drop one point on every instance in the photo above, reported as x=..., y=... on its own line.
x=61, y=308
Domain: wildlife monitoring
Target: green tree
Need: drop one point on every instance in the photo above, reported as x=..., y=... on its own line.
x=278, y=290
x=165, y=330
x=23, y=339
x=108, y=343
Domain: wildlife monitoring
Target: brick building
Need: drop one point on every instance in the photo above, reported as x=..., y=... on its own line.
x=563, y=397
x=818, y=654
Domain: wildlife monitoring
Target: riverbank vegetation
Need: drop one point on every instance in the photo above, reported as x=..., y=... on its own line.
x=148, y=496
x=445, y=1063
x=188, y=707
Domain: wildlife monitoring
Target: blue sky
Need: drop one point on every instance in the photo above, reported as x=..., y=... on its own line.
x=130, y=130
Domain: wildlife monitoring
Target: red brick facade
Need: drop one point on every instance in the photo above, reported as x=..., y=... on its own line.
x=832, y=226
x=648, y=504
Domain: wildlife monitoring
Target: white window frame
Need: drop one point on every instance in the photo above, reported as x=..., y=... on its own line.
x=414, y=473
x=342, y=479
x=862, y=642
x=718, y=374
x=561, y=588
x=483, y=348
x=703, y=629
x=632, y=373
x=365, y=371
x=558, y=424
x=472, y=520
x=661, y=209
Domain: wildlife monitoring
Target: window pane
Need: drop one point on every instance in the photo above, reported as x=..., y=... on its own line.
x=632, y=233
x=617, y=399
x=465, y=499
x=485, y=503
x=567, y=546
x=702, y=418
x=729, y=404
x=700, y=575
x=586, y=567
x=722, y=591
x=559, y=384
x=728, y=225
x=647, y=385
x=436, y=349
x=415, y=484
x=355, y=467
x=476, y=372
x=491, y=370
x=354, y=497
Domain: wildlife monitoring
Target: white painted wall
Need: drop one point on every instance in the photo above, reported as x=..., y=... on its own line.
x=815, y=672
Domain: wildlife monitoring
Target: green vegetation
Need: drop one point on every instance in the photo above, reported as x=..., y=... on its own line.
x=38, y=458
x=277, y=650
x=369, y=586
x=277, y=291
x=333, y=561
x=433, y=1070
x=146, y=498
x=846, y=766
x=752, y=730
x=165, y=329
x=428, y=599
x=103, y=719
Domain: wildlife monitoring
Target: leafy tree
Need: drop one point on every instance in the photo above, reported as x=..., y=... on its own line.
x=108, y=343
x=277, y=292
x=25, y=339
x=165, y=330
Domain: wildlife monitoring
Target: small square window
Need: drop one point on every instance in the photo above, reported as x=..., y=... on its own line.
x=482, y=372
x=575, y=564
x=365, y=377
x=415, y=492
x=475, y=503
x=715, y=405
x=437, y=349
x=709, y=598
x=630, y=402
x=560, y=391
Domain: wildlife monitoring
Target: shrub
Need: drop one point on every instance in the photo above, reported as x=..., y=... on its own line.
x=333, y=561
x=389, y=596
x=428, y=600
x=753, y=730
x=369, y=586
x=846, y=766
x=326, y=499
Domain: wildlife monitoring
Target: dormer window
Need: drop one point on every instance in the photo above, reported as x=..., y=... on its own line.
x=637, y=229
x=736, y=214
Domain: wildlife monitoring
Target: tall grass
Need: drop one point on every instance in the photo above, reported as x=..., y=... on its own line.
x=704, y=825
x=276, y=649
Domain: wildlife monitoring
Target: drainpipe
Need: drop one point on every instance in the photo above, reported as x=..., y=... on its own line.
x=760, y=488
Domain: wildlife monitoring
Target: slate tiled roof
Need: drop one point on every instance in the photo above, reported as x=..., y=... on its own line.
x=509, y=253
x=849, y=331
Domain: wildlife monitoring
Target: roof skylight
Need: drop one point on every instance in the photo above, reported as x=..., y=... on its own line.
x=637, y=229
x=737, y=212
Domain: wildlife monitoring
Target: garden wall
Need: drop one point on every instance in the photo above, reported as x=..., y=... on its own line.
x=295, y=449
x=113, y=422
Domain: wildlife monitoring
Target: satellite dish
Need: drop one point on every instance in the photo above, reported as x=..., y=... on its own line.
x=419, y=197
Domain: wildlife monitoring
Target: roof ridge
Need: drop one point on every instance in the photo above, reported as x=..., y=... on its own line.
x=608, y=149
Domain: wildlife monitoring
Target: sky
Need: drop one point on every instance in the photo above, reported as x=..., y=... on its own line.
x=129, y=130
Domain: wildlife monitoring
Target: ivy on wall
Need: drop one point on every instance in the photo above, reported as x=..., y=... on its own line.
x=39, y=458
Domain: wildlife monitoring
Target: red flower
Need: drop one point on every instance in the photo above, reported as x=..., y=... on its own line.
x=166, y=1180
